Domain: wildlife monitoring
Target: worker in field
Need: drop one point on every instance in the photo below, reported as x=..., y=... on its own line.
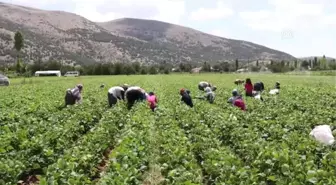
x=235, y=95
x=152, y=101
x=323, y=134
x=134, y=94
x=237, y=100
x=248, y=87
x=186, y=98
x=238, y=82
x=125, y=86
x=74, y=96
x=276, y=89
x=209, y=95
x=259, y=87
x=116, y=93
x=202, y=85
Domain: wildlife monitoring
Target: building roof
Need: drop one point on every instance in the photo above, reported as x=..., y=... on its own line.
x=47, y=72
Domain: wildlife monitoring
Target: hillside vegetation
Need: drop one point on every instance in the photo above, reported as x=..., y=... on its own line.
x=62, y=36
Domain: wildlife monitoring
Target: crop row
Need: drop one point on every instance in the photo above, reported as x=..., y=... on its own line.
x=33, y=153
x=83, y=163
x=276, y=153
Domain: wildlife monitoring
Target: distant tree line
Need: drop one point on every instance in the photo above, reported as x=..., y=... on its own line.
x=117, y=68
x=130, y=68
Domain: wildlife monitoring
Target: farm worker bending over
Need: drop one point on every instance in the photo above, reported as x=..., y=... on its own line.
x=152, y=101
x=202, y=85
x=248, y=88
x=239, y=102
x=209, y=96
x=235, y=96
x=277, y=85
x=186, y=98
x=236, y=100
x=74, y=96
x=125, y=86
x=114, y=94
x=323, y=134
x=134, y=94
x=238, y=82
x=276, y=90
x=259, y=87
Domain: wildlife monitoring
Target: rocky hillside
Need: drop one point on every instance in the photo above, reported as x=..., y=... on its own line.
x=57, y=35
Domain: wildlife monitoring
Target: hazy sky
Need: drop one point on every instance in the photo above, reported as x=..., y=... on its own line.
x=298, y=27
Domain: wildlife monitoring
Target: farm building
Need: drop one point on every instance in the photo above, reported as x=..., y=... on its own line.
x=48, y=73
x=196, y=70
x=242, y=70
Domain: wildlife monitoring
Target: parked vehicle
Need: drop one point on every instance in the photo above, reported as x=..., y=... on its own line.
x=71, y=73
x=4, y=80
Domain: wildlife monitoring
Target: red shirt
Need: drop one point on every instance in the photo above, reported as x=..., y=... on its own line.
x=249, y=88
x=240, y=103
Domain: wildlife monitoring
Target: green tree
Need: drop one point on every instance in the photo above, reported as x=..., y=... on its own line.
x=128, y=69
x=323, y=63
x=305, y=64
x=257, y=63
x=136, y=66
x=237, y=64
x=18, y=41
x=315, y=62
x=19, y=66
x=152, y=70
x=118, y=68
x=206, y=67
x=18, y=45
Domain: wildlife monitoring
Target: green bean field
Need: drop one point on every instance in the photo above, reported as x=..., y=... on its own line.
x=91, y=143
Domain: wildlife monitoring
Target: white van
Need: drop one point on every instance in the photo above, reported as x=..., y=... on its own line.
x=4, y=80
x=71, y=73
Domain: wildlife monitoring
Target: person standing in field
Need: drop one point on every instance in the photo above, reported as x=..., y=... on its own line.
x=116, y=93
x=74, y=96
x=209, y=96
x=186, y=98
x=152, y=101
x=134, y=94
x=248, y=87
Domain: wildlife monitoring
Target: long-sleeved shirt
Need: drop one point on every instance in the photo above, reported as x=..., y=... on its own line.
x=76, y=93
x=210, y=96
x=187, y=99
x=259, y=86
x=240, y=103
x=202, y=85
x=248, y=88
x=135, y=93
x=117, y=91
x=232, y=99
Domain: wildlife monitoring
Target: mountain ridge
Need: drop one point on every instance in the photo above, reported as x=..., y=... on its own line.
x=71, y=38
